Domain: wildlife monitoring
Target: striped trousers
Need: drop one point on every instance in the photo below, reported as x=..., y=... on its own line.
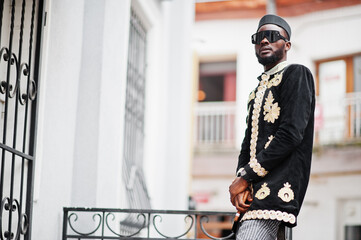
x=258, y=229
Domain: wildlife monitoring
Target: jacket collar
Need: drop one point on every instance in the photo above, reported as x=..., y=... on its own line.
x=279, y=67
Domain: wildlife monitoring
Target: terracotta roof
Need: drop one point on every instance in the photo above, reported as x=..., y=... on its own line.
x=234, y=9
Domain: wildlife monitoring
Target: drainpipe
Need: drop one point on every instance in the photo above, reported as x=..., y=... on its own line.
x=271, y=7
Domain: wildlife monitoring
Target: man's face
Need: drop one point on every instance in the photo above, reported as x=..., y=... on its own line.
x=270, y=54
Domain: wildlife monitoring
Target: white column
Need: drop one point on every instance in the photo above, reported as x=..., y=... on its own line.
x=101, y=102
x=179, y=15
x=85, y=171
x=112, y=102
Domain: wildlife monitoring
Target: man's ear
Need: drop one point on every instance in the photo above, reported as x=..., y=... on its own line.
x=288, y=46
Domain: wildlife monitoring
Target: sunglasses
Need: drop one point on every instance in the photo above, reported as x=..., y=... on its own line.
x=271, y=35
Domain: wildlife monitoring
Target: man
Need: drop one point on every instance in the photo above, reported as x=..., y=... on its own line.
x=275, y=159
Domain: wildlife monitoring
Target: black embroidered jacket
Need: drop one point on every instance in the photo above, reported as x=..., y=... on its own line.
x=277, y=148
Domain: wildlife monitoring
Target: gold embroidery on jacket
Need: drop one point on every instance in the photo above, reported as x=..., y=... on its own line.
x=271, y=110
x=270, y=214
x=270, y=138
x=252, y=95
x=272, y=113
x=263, y=192
x=286, y=193
x=256, y=167
x=276, y=80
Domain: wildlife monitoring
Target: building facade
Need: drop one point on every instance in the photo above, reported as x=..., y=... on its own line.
x=114, y=100
x=138, y=106
x=332, y=206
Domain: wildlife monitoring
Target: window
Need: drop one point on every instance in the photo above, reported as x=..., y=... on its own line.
x=20, y=38
x=338, y=109
x=133, y=175
x=353, y=232
x=217, y=81
x=216, y=108
x=349, y=219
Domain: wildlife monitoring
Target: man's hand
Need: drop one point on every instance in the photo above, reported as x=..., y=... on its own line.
x=242, y=201
x=238, y=185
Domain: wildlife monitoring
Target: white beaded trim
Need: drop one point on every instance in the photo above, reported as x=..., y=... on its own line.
x=239, y=171
x=270, y=214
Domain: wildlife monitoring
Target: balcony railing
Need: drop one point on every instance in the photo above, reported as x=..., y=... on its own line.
x=106, y=223
x=101, y=223
x=215, y=124
x=336, y=121
x=353, y=103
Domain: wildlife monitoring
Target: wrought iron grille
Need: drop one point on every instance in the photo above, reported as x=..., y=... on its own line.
x=106, y=224
x=20, y=31
x=133, y=175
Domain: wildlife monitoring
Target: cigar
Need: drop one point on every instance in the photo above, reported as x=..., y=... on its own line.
x=236, y=222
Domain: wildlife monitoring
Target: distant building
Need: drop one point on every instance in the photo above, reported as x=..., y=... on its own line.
x=332, y=208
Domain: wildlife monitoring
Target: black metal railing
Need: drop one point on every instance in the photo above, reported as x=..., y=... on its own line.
x=21, y=24
x=101, y=223
x=106, y=223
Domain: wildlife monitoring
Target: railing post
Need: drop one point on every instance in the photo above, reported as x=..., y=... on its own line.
x=148, y=226
x=288, y=233
x=358, y=118
x=195, y=226
x=103, y=227
x=65, y=223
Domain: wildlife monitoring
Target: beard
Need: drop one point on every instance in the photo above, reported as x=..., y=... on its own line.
x=275, y=57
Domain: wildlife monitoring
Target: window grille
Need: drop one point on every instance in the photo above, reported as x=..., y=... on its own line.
x=133, y=175
x=20, y=31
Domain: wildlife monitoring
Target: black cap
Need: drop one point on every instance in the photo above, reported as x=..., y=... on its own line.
x=276, y=20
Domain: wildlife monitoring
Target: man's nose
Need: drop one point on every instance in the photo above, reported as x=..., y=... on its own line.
x=264, y=41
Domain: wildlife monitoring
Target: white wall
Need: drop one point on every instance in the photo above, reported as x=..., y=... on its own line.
x=326, y=34
x=112, y=98
x=178, y=100
x=98, y=136
x=168, y=101
x=82, y=106
x=81, y=117
x=59, y=87
x=321, y=216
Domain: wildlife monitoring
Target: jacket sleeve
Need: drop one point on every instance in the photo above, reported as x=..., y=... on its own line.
x=296, y=103
x=244, y=156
